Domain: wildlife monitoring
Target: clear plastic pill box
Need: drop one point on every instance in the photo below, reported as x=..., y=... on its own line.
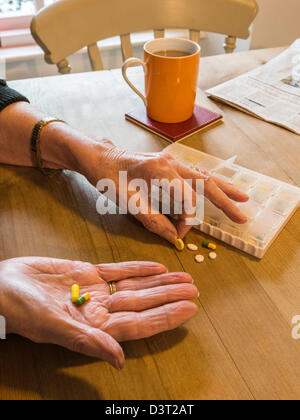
x=272, y=202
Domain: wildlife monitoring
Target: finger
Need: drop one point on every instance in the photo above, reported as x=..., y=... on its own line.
x=140, y=206
x=221, y=200
x=160, y=225
x=231, y=191
x=182, y=227
x=141, y=283
x=126, y=326
x=216, y=195
x=226, y=187
x=151, y=298
x=126, y=270
x=89, y=341
x=185, y=221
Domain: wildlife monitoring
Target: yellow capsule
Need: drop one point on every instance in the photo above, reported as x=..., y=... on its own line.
x=75, y=292
x=179, y=244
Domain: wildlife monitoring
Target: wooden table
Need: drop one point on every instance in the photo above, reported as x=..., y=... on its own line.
x=239, y=345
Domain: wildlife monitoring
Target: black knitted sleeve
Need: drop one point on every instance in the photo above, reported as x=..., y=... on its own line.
x=9, y=96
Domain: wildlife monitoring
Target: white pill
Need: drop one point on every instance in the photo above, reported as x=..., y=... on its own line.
x=192, y=247
x=212, y=255
x=199, y=259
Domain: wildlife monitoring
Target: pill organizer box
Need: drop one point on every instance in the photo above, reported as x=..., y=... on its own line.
x=272, y=202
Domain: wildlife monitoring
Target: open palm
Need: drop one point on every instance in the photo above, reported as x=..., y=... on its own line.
x=37, y=303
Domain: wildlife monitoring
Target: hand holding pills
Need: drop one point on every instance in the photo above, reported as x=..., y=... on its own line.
x=70, y=303
x=161, y=166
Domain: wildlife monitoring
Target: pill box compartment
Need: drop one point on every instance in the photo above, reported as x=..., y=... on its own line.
x=279, y=206
x=206, y=163
x=236, y=229
x=268, y=186
x=264, y=226
x=250, y=209
x=213, y=215
x=288, y=194
x=244, y=181
x=226, y=173
x=259, y=196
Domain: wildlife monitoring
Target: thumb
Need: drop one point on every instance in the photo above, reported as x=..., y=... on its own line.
x=89, y=341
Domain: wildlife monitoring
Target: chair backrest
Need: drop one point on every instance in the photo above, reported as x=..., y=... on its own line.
x=66, y=26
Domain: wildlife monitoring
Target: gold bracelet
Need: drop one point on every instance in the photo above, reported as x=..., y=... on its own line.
x=36, y=144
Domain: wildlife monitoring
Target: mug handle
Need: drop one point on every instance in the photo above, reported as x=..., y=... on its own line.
x=125, y=66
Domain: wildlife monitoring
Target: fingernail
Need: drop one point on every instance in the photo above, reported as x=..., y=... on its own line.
x=117, y=364
x=171, y=237
x=156, y=266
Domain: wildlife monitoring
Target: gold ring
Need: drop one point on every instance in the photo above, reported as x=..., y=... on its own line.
x=112, y=287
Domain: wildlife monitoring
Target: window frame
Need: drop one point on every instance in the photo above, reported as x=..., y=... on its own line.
x=17, y=20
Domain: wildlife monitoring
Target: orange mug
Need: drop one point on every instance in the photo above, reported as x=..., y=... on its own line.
x=171, y=69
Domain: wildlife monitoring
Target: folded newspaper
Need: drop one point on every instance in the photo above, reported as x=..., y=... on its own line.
x=270, y=92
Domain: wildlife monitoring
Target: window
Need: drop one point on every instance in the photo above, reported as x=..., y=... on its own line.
x=15, y=18
x=10, y=6
x=22, y=6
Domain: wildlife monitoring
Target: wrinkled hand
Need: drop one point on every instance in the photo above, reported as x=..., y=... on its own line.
x=149, y=166
x=36, y=301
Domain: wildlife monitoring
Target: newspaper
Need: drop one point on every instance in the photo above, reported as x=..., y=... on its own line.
x=270, y=92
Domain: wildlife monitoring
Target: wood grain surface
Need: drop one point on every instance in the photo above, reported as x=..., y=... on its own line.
x=239, y=345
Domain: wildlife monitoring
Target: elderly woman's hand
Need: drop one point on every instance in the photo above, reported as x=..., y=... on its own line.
x=158, y=166
x=65, y=148
x=35, y=299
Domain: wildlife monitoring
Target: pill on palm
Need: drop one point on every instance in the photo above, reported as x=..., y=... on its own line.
x=199, y=259
x=192, y=247
x=75, y=292
x=179, y=244
x=212, y=255
x=80, y=301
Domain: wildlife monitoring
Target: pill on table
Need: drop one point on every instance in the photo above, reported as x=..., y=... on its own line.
x=179, y=244
x=209, y=245
x=192, y=247
x=199, y=259
x=212, y=255
x=75, y=292
x=80, y=301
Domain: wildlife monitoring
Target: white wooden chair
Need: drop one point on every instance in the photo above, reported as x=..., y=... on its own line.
x=69, y=25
